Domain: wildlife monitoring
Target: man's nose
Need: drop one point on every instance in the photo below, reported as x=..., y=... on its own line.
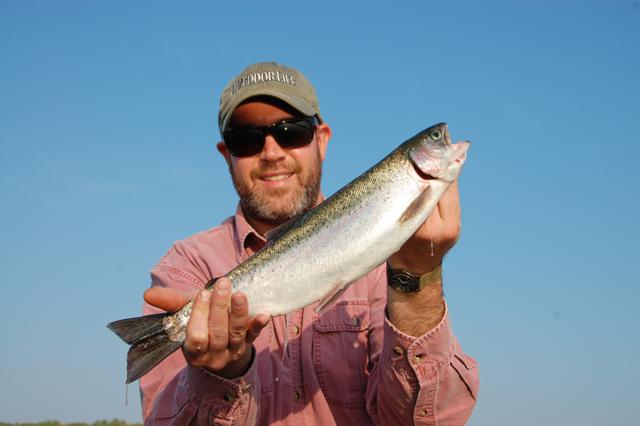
x=272, y=150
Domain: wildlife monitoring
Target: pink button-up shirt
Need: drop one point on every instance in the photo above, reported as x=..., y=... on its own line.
x=348, y=365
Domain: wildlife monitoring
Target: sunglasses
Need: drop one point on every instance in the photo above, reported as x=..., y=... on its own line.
x=292, y=133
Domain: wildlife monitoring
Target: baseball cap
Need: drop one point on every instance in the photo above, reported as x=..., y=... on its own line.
x=268, y=79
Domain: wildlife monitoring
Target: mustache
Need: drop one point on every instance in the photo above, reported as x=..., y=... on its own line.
x=276, y=167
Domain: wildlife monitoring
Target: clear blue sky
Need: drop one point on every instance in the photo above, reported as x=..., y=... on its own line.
x=108, y=131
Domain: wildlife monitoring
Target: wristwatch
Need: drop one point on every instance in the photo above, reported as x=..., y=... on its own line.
x=406, y=282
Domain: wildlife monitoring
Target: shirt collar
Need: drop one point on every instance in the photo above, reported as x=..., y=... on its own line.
x=245, y=236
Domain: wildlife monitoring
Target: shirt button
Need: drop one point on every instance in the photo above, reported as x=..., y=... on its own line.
x=228, y=397
x=296, y=329
x=417, y=359
x=355, y=321
x=398, y=351
x=296, y=395
x=424, y=412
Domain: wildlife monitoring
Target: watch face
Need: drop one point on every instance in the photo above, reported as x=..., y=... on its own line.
x=403, y=281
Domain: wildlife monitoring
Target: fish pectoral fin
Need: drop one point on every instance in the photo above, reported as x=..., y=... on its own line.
x=331, y=297
x=416, y=205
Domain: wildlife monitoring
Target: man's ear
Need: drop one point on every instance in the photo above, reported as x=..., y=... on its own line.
x=222, y=149
x=323, y=133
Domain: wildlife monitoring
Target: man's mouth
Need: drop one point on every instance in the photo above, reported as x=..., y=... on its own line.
x=276, y=177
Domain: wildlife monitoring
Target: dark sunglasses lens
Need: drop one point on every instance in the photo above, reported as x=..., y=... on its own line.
x=294, y=134
x=244, y=142
x=288, y=134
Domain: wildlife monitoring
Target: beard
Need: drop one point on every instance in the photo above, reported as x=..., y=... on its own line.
x=278, y=206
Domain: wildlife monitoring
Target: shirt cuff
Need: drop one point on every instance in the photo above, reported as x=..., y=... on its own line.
x=223, y=397
x=423, y=354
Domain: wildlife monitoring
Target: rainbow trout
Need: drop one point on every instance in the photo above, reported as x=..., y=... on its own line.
x=316, y=255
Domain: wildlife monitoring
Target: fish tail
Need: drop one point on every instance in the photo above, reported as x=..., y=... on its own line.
x=149, y=340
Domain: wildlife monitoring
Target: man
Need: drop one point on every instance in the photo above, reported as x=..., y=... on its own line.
x=387, y=356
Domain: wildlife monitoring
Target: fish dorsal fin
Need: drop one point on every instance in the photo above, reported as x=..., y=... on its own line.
x=280, y=230
x=416, y=205
x=331, y=297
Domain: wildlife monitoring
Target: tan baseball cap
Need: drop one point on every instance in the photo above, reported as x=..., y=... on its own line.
x=268, y=79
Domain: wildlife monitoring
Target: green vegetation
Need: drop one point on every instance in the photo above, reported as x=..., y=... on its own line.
x=114, y=422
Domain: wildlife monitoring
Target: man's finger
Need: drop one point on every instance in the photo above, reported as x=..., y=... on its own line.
x=197, y=339
x=219, y=315
x=168, y=299
x=238, y=321
x=256, y=324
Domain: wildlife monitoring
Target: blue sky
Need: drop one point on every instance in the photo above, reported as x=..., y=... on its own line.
x=108, y=130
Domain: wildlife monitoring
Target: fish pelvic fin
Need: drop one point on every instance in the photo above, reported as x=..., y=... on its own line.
x=416, y=205
x=149, y=340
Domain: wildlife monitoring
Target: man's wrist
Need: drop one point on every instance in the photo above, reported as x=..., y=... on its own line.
x=416, y=312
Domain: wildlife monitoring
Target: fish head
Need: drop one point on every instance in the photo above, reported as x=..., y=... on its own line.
x=434, y=156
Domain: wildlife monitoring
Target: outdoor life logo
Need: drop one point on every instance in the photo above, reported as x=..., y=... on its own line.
x=260, y=77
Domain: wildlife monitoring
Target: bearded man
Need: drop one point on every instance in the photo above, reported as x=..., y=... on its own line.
x=398, y=364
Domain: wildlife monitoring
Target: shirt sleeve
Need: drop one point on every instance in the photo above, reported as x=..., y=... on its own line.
x=426, y=380
x=174, y=393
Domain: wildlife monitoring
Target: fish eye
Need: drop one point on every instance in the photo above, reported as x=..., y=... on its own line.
x=436, y=135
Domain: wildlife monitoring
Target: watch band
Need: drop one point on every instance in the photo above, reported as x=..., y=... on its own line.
x=405, y=282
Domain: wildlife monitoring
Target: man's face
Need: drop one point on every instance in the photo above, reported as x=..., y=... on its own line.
x=277, y=183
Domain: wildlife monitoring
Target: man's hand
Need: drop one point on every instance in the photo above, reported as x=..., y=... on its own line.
x=220, y=333
x=426, y=248
x=417, y=313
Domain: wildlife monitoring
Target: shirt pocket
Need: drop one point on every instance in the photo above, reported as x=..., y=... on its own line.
x=340, y=352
